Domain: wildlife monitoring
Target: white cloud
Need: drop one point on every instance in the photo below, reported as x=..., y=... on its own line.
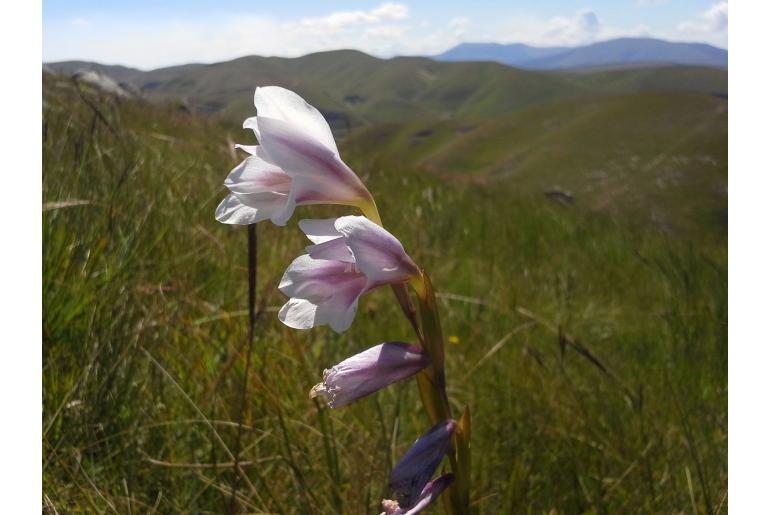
x=386, y=31
x=712, y=20
x=380, y=31
x=580, y=28
x=709, y=26
x=391, y=11
x=151, y=45
x=459, y=26
x=345, y=19
x=583, y=27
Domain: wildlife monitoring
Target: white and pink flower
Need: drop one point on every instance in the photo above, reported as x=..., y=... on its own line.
x=296, y=163
x=350, y=256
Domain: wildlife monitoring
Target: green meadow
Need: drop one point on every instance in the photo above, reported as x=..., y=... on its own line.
x=578, y=244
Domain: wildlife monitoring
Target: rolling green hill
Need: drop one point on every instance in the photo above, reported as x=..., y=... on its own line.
x=693, y=79
x=651, y=157
x=354, y=89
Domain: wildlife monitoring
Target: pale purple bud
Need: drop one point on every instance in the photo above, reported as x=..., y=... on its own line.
x=369, y=371
x=410, y=476
x=428, y=495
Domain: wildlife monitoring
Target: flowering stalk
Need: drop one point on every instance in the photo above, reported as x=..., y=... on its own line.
x=297, y=163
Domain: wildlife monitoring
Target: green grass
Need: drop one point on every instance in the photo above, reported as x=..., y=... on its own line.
x=144, y=328
x=699, y=79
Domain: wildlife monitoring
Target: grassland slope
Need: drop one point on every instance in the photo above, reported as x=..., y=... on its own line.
x=591, y=349
x=656, y=158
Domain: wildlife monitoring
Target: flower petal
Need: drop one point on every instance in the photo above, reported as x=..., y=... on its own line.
x=329, y=243
x=249, y=149
x=410, y=476
x=251, y=123
x=298, y=314
x=255, y=175
x=314, y=279
x=282, y=216
x=318, y=172
x=332, y=286
x=266, y=202
x=283, y=104
x=369, y=371
x=378, y=254
x=332, y=249
x=339, y=311
x=430, y=493
x=233, y=211
x=320, y=231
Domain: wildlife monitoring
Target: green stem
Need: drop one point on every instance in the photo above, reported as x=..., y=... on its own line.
x=432, y=384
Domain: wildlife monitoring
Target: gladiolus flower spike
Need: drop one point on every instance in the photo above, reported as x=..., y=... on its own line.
x=297, y=163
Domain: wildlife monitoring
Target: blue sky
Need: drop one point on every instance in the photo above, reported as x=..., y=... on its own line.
x=148, y=34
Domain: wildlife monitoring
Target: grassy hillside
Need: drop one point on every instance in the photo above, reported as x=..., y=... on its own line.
x=354, y=89
x=656, y=158
x=144, y=324
x=694, y=79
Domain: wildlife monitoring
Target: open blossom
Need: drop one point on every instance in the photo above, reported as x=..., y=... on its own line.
x=369, y=371
x=412, y=474
x=296, y=163
x=428, y=494
x=350, y=256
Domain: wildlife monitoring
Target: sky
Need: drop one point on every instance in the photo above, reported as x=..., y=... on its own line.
x=149, y=34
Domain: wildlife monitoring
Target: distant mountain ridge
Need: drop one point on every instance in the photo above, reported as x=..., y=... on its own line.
x=512, y=54
x=353, y=89
x=615, y=52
